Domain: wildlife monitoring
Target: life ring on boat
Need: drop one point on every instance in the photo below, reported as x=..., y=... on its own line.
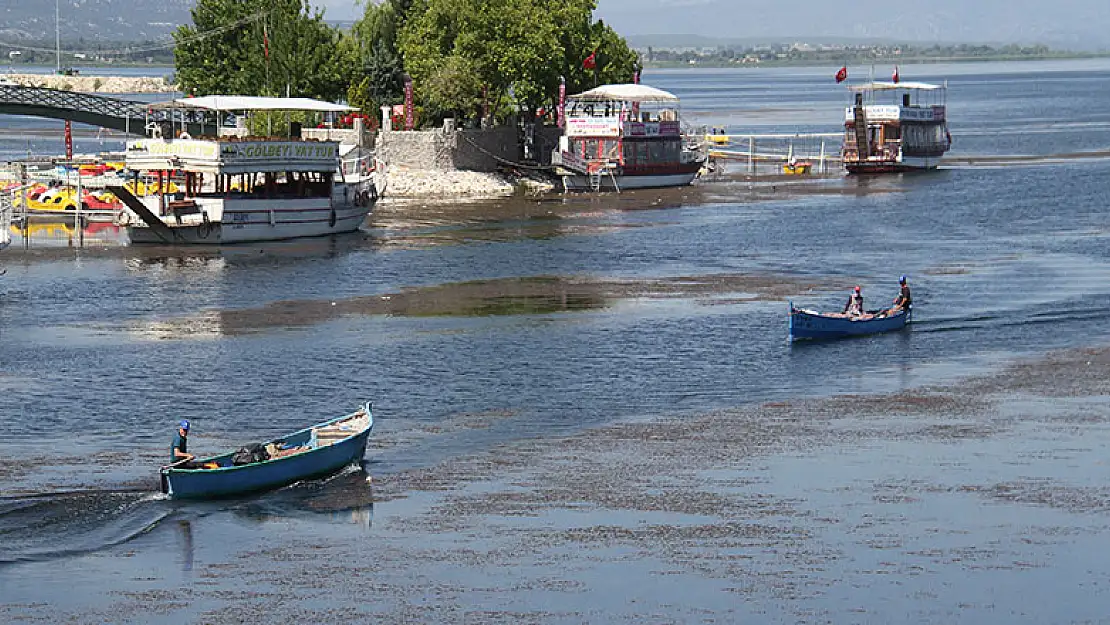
x=331, y=218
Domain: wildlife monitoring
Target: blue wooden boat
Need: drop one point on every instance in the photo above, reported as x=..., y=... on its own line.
x=313, y=452
x=810, y=324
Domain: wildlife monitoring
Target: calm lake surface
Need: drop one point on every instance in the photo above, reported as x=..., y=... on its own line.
x=665, y=305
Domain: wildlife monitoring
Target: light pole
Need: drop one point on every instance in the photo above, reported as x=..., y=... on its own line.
x=58, y=35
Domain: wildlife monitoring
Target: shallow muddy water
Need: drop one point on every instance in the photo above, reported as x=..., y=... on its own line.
x=587, y=409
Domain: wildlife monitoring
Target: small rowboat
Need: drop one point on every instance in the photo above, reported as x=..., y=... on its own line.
x=810, y=324
x=313, y=452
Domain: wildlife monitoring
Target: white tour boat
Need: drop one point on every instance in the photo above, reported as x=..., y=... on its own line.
x=625, y=136
x=895, y=127
x=230, y=189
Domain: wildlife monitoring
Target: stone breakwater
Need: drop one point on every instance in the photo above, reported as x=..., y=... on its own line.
x=95, y=84
x=405, y=183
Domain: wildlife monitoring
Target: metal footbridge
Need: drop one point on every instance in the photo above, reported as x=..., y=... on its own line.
x=130, y=116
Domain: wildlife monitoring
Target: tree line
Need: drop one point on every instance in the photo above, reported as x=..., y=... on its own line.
x=465, y=58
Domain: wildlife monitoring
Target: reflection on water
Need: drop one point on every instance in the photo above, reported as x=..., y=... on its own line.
x=52, y=231
x=185, y=535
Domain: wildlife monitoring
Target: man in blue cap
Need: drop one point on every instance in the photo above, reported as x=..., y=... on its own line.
x=179, y=452
x=904, y=299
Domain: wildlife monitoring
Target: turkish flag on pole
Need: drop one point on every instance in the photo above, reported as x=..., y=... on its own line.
x=842, y=74
x=894, y=77
x=591, y=61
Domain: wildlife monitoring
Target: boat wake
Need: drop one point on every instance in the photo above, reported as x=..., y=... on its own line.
x=48, y=526
x=998, y=320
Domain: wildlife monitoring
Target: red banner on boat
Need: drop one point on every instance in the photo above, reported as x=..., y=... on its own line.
x=69, y=141
x=842, y=74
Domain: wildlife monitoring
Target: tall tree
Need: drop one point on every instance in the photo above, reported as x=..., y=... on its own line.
x=258, y=47
x=517, y=47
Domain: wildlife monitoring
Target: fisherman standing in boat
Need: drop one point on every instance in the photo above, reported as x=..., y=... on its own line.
x=854, y=307
x=179, y=452
x=904, y=299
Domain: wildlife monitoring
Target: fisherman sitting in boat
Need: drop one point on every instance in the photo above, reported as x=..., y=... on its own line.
x=179, y=454
x=854, y=307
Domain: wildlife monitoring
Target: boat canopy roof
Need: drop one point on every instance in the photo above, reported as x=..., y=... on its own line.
x=892, y=86
x=625, y=93
x=255, y=103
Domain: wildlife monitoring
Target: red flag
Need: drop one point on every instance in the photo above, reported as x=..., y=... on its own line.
x=894, y=77
x=591, y=61
x=265, y=42
x=842, y=74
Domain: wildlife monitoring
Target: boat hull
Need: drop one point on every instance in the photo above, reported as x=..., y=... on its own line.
x=233, y=481
x=579, y=182
x=290, y=225
x=907, y=164
x=806, y=324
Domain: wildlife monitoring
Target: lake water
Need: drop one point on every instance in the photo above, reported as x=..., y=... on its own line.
x=545, y=319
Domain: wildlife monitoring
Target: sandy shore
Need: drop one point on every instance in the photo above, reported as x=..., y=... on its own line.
x=97, y=84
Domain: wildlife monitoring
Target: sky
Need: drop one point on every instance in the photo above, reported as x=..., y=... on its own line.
x=1059, y=23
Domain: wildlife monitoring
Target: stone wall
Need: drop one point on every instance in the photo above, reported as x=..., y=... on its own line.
x=459, y=149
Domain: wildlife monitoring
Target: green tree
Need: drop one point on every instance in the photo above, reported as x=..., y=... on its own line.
x=517, y=47
x=258, y=47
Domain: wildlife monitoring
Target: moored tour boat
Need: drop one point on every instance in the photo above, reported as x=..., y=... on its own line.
x=625, y=136
x=236, y=189
x=895, y=127
x=810, y=324
x=313, y=452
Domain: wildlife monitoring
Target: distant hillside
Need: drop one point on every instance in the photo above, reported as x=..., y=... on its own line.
x=92, y=20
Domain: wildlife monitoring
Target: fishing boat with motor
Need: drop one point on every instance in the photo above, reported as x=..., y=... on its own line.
x=810, y=324
x=234, y=188
x=314, y=452
x=626, y=136
x=895, y=127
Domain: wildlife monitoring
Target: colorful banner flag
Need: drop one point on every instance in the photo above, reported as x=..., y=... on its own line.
x=410, y=120
x=591, y=61
x=894, y=77
x=561, y=111
x=842, y=74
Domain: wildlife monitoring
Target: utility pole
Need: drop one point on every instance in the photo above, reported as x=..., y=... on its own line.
x=58, y=35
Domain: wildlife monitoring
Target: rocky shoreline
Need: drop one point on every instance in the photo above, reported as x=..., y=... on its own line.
x=398, y=183
x=95, y=84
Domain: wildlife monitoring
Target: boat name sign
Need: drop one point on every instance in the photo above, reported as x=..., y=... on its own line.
x=893, y=112
x=653, y=129
x=253, y=151
x=593, y=127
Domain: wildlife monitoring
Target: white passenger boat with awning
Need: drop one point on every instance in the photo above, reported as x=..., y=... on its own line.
x=232, y=189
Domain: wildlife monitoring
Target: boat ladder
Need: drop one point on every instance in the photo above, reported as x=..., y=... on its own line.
x=597, y=175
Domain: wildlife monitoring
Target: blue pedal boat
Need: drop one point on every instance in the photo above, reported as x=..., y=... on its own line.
x=810, y=324
x=314, y=452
